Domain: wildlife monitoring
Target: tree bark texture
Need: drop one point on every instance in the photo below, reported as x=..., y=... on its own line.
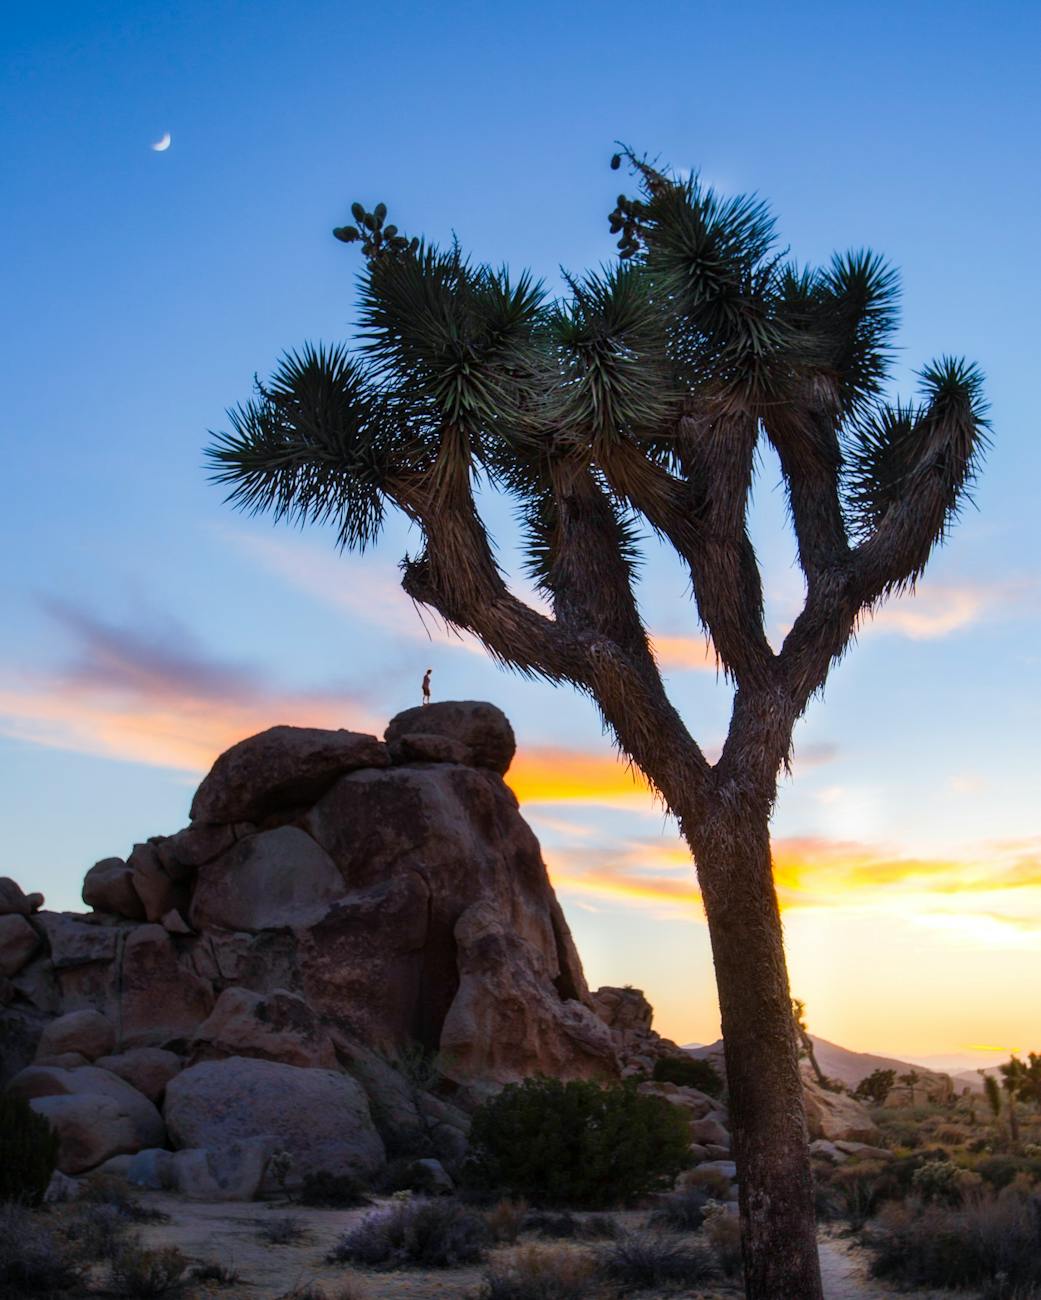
x=767, y=1113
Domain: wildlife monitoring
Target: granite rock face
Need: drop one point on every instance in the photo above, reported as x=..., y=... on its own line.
x=350, y=943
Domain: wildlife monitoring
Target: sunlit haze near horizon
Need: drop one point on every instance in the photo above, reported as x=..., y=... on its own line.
x=147, y=626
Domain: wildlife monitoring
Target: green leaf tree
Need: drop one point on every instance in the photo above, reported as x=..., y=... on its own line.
x=637, y=403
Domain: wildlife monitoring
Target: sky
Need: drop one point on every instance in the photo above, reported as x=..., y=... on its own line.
x=147, y=626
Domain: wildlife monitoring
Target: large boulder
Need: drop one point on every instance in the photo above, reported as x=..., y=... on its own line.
x=148, y=1069
x=162, y=998
x=277, y=878
x=87, y=1032
x=91, y=1128
x=277, y=1027
x=320, y=1117
x=483, y=731
x=14, y=901
x=281, y=768
x=18, y=942
x=232, y=1174
x=129, y=1121
x=836, y=1116
x=501, y=992
x=108, y=887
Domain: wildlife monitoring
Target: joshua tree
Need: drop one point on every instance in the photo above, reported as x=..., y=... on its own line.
x=876, y=1087
x=992, y=1091
x=804, y=1043
x=637, y=401
x=1015, y=1080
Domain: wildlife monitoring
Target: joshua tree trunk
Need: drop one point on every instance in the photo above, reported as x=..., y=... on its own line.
x=732, y=848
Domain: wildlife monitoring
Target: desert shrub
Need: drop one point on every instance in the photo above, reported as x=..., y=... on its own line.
x=598, y=1227
x=281, y=1230
x=936, y=1182
x=876, y=1086
x=861, y=1185
x=409, y=1174
x=952, y=1135
x=97, y=1231
x=427, y=1233
x=1032, y=1150
x=563, y=1225
x=348, y=1289
x=982, y=1242
x=688, y=1072
x=144, y=1274
x=723, y=1233
x=999, y=1171
x=713, y=1182
x=505, y=1220
x=642, y=1260
x=216, y=1274
x=28, y=1152
x=576, y=1143
x=682, y=1211
x=540, y=1273
x=32, y=1261
x=103, y=1189
x=331, y=1191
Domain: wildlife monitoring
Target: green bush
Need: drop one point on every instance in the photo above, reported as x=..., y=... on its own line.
x=647, y=1261
x=999, y=1171
x=577, y=1143
x=688, y=1072
x=28, y=1152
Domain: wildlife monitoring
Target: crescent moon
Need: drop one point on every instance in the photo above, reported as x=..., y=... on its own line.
x=162, y=145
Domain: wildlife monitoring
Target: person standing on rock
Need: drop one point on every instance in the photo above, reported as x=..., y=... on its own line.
x=426, y=686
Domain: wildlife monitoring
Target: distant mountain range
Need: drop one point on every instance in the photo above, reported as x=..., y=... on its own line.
x=850, y=1067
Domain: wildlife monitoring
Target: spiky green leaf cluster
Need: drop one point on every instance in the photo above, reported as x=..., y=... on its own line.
x=895, y=449
x=313, y=446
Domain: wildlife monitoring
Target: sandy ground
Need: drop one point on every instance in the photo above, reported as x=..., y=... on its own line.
x=228, y=1232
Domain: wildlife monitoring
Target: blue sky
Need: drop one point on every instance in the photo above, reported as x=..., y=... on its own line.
x=145, y=621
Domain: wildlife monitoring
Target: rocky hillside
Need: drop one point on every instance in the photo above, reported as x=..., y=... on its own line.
x=351, y=942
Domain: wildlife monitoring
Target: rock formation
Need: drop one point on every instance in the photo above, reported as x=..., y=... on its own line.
x=340, y=913
x=349, y=945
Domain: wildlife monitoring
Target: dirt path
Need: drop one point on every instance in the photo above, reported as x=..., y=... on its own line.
x=230, y=1233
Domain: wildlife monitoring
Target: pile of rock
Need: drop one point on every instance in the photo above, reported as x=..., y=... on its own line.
x=282, y=972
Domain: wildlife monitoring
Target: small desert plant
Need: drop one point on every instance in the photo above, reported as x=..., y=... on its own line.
x=281, y=1230
x=427, y=1233
x=28, y=1152
x=688, y=1072
x=97, y=1231
x=144, y=1274
x=505, y=1220
x=564, y=1225
x=32, y=1261
x=349, y=1289
x=723, y=1234
x=682, y=1211
x=646, y=1260
x=576, y=1143
x=217, y=1274
x=937, y=1182
x=278, y=1166
x=540, y=1273
x=861, y=1185
x=102, y=1189
x=999, y=1171
x=972, y=1245
x=331, y=1191
x=713, y=1182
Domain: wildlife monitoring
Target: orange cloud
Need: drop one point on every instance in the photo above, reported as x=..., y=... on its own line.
x=131, y=697
x=993, y=892
x=685, y=652
x=550, y=775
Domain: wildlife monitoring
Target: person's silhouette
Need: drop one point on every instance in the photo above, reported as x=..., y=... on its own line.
x=426, y=686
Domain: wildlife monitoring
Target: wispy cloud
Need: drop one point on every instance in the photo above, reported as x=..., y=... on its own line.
x=936, y=609
x=548, y=775
x=159, y=698
x=990, y=894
